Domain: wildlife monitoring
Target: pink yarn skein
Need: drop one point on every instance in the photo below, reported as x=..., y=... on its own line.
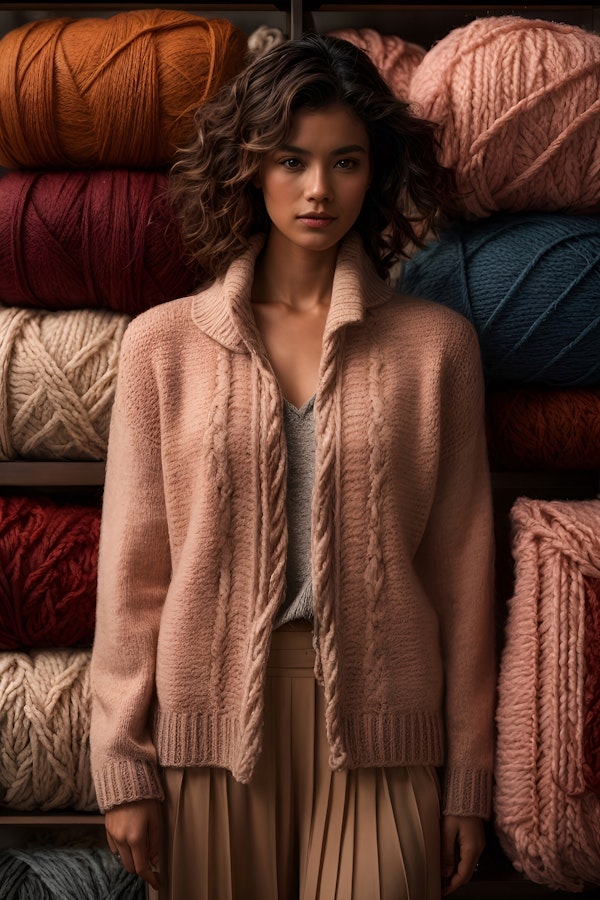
x=518, y=101
x=396, y=59
x=547, y=817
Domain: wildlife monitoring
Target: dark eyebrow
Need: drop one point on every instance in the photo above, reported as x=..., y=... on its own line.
x=351, y=148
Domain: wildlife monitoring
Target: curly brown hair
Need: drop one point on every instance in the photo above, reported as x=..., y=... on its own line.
x=211, y=183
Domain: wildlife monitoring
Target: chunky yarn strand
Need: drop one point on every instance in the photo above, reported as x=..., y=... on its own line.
x=58, y=380
x=272, y=559
x=44, y=730
x=326, y=565
x=547, y=818
x=591, y=736
x=48, y=565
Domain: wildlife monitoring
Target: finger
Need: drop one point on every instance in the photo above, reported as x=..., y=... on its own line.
x=143, y=866
x=111, y=843
x=448, y=861
x=469, y=856
x=154, y=839
x=126, y=857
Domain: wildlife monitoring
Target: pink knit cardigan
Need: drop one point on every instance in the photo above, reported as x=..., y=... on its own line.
x=547, y=819
x=194, y=536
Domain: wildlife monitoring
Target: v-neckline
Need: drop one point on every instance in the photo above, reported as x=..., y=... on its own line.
x=300, y=410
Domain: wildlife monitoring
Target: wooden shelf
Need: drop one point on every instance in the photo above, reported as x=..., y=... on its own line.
x=51, y=474
x=52, y=817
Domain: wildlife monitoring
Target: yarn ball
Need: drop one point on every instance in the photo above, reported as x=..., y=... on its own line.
x=546, y=817
x=395, y=59
x=517, y=101
x=45, y=706
x=529, y=283
x=591, y=735
x=102, y=239
x=57, y=382
x=547, y=429
x=48, y=559
x=114, y=92
x=69, y=873
x=263, y=39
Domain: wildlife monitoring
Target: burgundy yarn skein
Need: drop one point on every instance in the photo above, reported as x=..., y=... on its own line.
x=48, y=571
x=105, y=239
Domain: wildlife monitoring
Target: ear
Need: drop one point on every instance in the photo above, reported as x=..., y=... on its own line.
x=256, y=181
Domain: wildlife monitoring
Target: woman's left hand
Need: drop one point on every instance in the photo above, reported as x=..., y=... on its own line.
x=463, y=841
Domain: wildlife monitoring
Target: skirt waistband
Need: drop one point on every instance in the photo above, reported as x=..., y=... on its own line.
x=292, y=649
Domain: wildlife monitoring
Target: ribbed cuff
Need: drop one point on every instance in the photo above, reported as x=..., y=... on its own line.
x=123, y=781
x=467, y=792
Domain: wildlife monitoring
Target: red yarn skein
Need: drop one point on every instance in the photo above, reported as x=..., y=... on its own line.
x=555, y=429
x=48, y=571
x=87, y=240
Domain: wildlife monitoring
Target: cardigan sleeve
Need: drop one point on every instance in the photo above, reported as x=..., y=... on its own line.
x=133, y=577
x=456, y=560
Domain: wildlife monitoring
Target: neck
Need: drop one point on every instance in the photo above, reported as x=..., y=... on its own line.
x=299, y=278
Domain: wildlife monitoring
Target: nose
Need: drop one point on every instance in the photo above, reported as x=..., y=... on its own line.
x=318, y=184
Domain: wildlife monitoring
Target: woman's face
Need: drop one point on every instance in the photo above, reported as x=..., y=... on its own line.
x=314, y=185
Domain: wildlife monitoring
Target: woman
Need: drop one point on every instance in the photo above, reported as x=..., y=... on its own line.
x=297, y=486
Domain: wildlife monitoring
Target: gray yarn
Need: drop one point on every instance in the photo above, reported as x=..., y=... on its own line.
x=71, y=873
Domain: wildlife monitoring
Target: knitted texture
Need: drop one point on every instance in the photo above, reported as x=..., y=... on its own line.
x=591, y=696
x=529, y=282
x=196, y=487
x=57, y=379
x=78, y=239
x=101, y=93
x=548, y=429
x=44, y=730
x=48, y=559
x=547, y=818
x=395, y=59
x=517, y=100
x=71, y=873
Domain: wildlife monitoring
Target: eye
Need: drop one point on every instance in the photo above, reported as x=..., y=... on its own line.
x=291, y=163
x=346, y=163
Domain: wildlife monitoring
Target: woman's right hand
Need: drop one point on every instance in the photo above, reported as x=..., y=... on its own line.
x=133, y=835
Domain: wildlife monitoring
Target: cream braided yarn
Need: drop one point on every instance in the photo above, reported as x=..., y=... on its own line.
x=58, y=373
x=44, y=730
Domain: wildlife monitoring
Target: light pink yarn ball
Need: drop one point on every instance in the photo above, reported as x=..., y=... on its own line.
x=519, y=108
x=395, y=59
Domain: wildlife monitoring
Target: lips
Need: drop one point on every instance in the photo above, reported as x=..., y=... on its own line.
x=314, y=215
x=315, y=220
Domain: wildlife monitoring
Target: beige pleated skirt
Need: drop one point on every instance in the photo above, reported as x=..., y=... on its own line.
x=300, y=831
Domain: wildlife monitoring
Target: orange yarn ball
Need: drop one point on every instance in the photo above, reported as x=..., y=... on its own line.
x=518, y=104
x=396, y=59
x=120, y=91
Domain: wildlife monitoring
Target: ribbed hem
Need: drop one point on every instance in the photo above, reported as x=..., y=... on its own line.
x=467, y=792
x=192, y=739
x=393, y=740
x=123, y=781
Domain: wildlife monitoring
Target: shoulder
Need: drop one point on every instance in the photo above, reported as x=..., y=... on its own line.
x=413, y=319
x=161, y=323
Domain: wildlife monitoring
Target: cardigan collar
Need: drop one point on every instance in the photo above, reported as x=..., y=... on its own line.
x=224, y=312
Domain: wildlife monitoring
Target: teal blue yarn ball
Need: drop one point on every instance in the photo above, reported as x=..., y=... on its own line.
x=530, y=284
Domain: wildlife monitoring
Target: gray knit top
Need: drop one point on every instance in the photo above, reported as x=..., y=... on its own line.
x=299, y=427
